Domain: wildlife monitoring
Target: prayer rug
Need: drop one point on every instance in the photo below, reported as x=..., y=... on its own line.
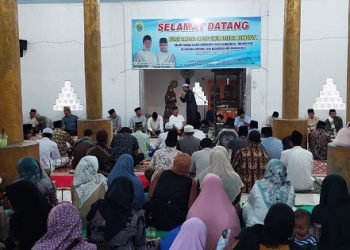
x=319, y=169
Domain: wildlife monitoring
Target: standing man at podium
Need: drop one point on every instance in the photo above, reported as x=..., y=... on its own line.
x=191, y=108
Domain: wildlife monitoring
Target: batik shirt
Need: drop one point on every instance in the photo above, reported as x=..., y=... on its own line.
x=319, y=140
x=61, y=138
x=249, y=163
x=163, y=159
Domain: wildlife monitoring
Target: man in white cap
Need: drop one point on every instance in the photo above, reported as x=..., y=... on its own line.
x=48, y=150
x=162, y=136
x=189, y=144
x=191, y=108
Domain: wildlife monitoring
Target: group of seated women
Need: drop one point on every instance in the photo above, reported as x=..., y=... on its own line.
x=201, y=214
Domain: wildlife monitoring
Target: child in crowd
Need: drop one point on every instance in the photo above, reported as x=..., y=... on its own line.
x=302, y=236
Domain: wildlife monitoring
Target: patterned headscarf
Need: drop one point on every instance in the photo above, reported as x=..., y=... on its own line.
x=63, y=230
x=86, y=179
x=274, y=187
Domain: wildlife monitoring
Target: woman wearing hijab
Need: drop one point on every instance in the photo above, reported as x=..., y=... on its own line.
x=221, y=166
x=113, y=223
x=192, y=236
x=172, y=193
x=215, y=209
x=343, y=137
x=274, y=234
x=31, y=208
x=88, y=185
x=125, y=167
x=29, y=169
x=63, y=230
x=333, y=214
x=273, y=188
x=170, y=102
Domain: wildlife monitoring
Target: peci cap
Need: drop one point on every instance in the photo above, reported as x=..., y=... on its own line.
x=47, y=131
x=137, y=109
x=111, y=111
x=188, y=129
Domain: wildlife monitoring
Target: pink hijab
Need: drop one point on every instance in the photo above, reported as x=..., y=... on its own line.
x=215, y=209
x=63, y=230
x=192, y=236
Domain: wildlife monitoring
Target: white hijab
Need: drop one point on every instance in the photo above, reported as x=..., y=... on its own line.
x=86, y=179
x=343, y=137
x=221, y=166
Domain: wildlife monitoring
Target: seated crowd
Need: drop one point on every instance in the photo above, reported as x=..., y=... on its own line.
x=193, y=189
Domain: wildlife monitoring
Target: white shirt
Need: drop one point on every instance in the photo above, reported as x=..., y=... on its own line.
x=166, y=59
x=255, y=210
x=145, y=58
x=199, y=134
x=200, y=161
x=161, y=140
x=299, y=164
x=33, y=121
x=178, y=121
x=155, y=125
x=48, y=152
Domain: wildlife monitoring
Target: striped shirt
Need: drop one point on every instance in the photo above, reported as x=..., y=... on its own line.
x=309, y=243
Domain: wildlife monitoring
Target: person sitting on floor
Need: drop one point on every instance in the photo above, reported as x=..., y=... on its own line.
x=63, y=230
x=177, y=120
x=272, y=146
x=333, y=123
x=242, y=119
x=88, y=185
x=116, y=120
x=302, y=236
x=215, y=209
x=81, y=146
x=37, y=121
x=189, y=144
x=198, y=133
x=269, y=120
x=312, y=121
x=113, y=223
x=70, y=121
x=343, y=137
x=49, y=152
x=318, y=142
x=142, y=140
x=139, y=117
x=201, y=158
x=299, y=164
x=103, y=153
x=29, y=169
x=125, y=167
x=155, y=124
x=220, y=165
x=61, y=137
x=240, y=142
x=125, y=143
x=226, y=135
x=254, y=125
x=29, y=221
x=276, y=232
x=331, y=218
x=163, y=158
x=162, y=136
x=172, y=193
x=250, y=162
x=193, y=235
x=273, y=188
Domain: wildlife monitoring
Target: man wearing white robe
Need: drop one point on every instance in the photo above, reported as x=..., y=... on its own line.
x=145, y=58
x=165, y=58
